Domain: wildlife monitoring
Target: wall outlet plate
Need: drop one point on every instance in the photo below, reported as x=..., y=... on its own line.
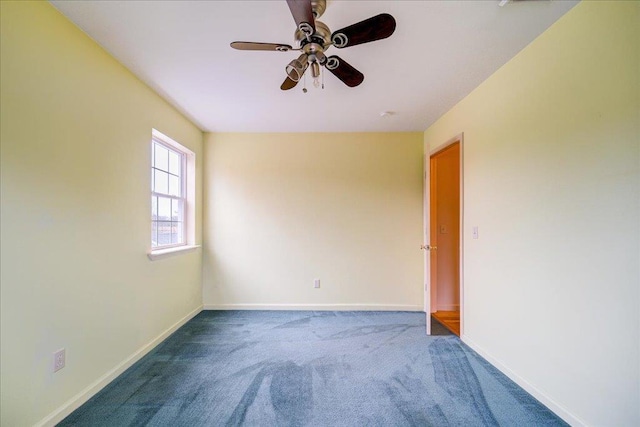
x=59, y=360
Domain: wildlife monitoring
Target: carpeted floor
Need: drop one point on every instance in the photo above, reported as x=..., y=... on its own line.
x=296, y=368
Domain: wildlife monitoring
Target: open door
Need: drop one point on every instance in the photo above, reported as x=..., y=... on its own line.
x=443, y=236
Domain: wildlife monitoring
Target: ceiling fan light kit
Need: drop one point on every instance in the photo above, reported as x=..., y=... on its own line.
x=315, y=37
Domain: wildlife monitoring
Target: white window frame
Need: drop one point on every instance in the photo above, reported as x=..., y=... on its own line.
x=182, y=198
x=188, y=197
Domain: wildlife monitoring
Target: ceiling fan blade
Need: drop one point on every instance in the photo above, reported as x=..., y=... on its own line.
x=303, y=15
x=375, y=28
x=278, y=47
x=288, y=84
x=344, y=71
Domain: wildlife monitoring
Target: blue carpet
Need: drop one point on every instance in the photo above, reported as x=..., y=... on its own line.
x=297, y=368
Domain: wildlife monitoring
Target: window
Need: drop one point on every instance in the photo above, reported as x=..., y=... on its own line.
x=171, y=204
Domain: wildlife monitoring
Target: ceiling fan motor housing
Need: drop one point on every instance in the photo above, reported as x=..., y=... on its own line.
x=322, y=36
x=315, y=45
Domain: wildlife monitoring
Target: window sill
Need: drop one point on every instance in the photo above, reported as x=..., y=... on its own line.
x=164, y=253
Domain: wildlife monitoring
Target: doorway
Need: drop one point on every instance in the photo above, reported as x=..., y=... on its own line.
x=443, y=235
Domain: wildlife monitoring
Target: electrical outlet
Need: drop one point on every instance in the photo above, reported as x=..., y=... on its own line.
x=58, y=360
x=316, y=283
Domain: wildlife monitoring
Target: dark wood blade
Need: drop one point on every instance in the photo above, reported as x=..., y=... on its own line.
x=288, y=84
x=344, y=71
x=302, y=14
x=375, y=28
x=278, y=47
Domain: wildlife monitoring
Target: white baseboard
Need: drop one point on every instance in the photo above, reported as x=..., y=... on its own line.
x=76, y=401
x=315, y=307
x=532, y=390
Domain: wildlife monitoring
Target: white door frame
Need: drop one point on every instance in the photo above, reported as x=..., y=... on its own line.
x=426, y=235
x=427, y=229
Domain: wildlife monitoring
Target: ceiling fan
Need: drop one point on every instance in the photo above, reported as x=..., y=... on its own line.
x=314, y=38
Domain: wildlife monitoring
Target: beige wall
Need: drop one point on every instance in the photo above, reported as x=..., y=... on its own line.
x=75, y=138
x=551, y=172
x=284, y=209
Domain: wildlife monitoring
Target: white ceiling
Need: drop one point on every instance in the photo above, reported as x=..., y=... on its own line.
x=440, y=52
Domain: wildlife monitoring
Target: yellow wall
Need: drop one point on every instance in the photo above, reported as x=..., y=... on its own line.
x=551, y=173
x=76, y=129
x=284, y=209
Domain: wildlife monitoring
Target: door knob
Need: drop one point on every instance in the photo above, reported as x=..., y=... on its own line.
x=429, y=247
